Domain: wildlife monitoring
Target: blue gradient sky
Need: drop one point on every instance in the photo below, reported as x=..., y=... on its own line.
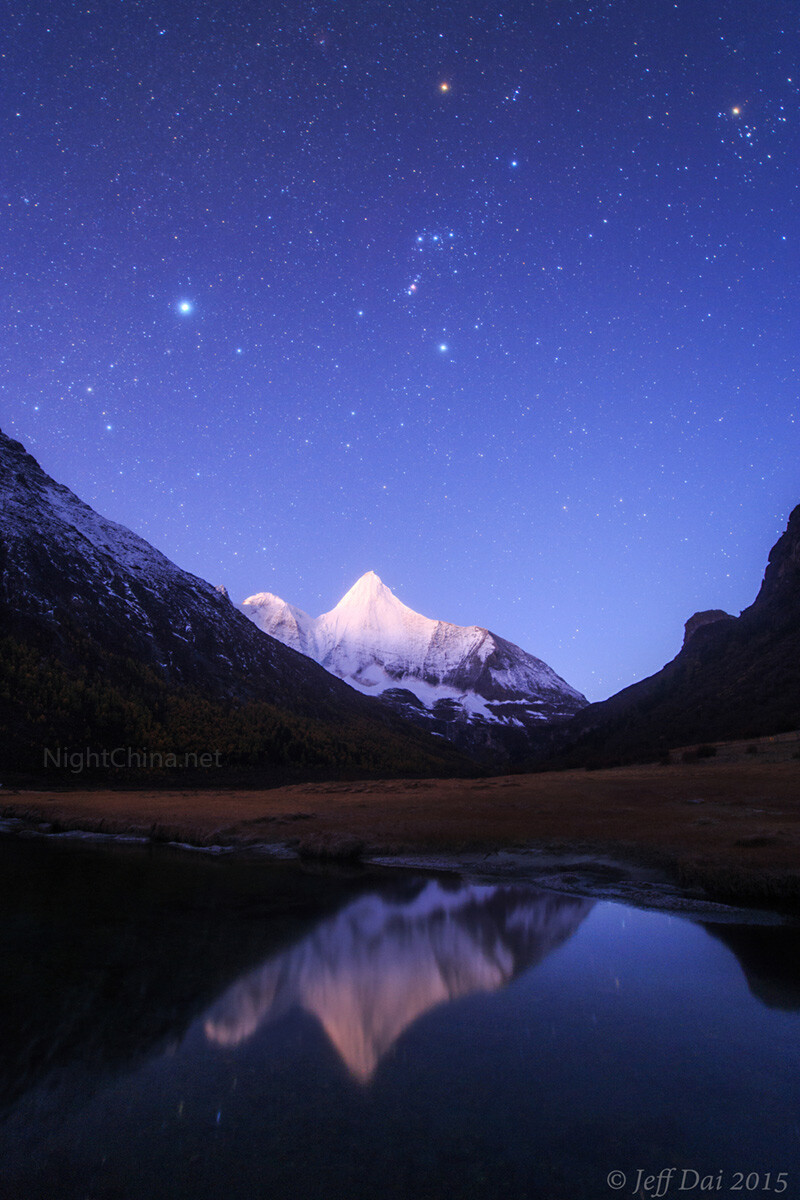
x=499, y=301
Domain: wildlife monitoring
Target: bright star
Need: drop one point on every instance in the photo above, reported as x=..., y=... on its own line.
x=185, y=307
x=444, y=86
x=443, y=347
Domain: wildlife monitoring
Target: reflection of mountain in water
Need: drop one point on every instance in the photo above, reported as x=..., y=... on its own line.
x=110, y=952
x=369, y=971
x=769, y=958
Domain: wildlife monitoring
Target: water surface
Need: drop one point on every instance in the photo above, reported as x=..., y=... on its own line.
x=178, y=1028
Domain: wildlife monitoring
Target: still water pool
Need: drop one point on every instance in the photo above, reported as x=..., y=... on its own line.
x=177, y=1028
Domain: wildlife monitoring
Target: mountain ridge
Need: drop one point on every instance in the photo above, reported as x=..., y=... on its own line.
x=104, y=635
x=380, y=646
x=734, y=677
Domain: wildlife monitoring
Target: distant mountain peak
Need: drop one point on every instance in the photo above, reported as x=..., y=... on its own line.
x=94, y=600
x=369, y=619
x=457, y=673
x=369, y=582
x=367, y=591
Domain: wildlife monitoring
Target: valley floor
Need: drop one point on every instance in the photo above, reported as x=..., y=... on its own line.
x=732, y=828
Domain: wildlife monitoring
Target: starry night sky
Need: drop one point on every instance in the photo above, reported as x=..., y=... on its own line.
x=501, y=301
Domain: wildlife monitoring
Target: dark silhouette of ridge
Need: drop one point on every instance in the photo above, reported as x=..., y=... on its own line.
x=735, y=677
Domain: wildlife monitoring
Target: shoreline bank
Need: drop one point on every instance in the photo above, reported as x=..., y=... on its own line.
x=721, y=832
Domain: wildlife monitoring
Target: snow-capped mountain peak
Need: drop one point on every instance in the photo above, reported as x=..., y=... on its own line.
x=371, y=603
x=377, y=644
x=370, y=624
x=283, y=621
x=369, y=589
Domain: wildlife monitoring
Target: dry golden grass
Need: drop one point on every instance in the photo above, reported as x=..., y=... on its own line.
x=734, y=826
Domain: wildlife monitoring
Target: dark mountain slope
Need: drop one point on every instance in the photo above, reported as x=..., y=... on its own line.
x=735, y=677
x=107, y=640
